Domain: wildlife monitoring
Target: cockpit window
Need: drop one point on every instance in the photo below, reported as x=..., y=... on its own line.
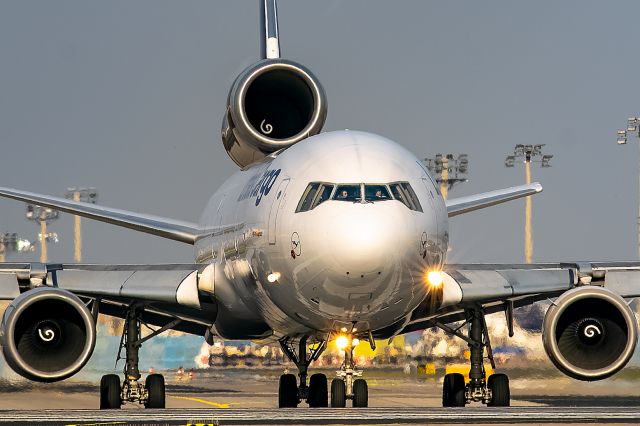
x=324, y=193
x=307, y=197
x=376, y=193
x=403, y=192
x=348, y=193
x=317, y=193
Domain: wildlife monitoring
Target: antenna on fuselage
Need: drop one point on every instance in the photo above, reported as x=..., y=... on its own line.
x=269, y=41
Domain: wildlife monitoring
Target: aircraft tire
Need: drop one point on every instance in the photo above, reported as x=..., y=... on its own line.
x=499, y=386
x=155, y=387
x=288, y=391
x=360, y=393
x=338, y=393
x=453, y=390
x=318, y=394
x=110, y=392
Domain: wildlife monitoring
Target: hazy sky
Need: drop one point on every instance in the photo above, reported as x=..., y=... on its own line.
x=129, y=97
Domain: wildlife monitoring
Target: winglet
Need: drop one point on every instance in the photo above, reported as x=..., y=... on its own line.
x=269, y=41
x=167, y=228
x=470, y=203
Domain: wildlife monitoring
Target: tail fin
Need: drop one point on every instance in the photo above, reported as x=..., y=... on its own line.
x=269, y=41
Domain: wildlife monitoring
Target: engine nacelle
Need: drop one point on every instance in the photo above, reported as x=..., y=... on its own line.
x=272, y=105
x=48, y=334
x=589, y=333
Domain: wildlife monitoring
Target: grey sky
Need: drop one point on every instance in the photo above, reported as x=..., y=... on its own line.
x=129, y=96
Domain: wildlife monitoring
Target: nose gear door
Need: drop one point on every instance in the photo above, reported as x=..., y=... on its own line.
x=275, y=209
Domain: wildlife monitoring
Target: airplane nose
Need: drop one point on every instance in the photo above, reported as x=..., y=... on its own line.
x=365, y=237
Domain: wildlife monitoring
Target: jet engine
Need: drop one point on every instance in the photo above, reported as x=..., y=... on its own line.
x=272, y=105
x=589, y=333
x=48, y=334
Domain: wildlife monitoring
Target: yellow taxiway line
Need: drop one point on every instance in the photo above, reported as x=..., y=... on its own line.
x=203, y=401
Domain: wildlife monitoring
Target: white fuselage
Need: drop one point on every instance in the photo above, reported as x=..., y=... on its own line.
x=339, y=263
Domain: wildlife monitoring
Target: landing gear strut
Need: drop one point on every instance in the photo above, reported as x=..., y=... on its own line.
x=346, y=385
x=152, y=393
x=493, y=392
x=289, y=393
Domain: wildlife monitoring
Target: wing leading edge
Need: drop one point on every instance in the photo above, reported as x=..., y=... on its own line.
x=470, y=203
x=177, y=230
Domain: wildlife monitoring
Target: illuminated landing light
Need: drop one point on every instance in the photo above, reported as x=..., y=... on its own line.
x=434, y=278
x=273, y=277
x=342, y=342
x=355, y=342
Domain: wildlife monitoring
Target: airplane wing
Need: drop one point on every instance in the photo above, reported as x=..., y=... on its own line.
x=498, y=287
x=457, y=206
x=185, y=232
x=169, y=292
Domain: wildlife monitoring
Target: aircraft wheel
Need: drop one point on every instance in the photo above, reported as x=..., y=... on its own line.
x=499, y=386
x=360, y=393
x=288, y=391
x=338, y=393
x=155, y=387
x=110, y=392
x=318, y=395
x=453, y=390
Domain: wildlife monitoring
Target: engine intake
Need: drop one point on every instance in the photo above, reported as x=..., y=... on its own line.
x=272, y=105
x=589, y=333
x=48, y=334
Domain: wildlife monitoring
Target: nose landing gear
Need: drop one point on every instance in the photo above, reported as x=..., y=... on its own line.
x=493, y=392
x=348, y=385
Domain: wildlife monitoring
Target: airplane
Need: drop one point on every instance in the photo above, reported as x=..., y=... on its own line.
x=319, y=237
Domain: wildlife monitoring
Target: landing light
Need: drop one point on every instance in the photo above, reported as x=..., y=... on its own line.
x=342, y=342
x=273, y=277
x=434, y=278
x=355, y=342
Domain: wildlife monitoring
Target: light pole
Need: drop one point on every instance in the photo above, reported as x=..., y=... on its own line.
x=43, y=215
x=449, y=169
x=633, y=127
x=10, y=242
x=529, y=154
x=86, y=195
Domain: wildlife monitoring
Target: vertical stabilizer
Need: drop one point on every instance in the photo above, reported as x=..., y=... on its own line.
x=269, y=41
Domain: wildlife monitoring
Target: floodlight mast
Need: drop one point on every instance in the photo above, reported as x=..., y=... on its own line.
x=43, y=216
x=10, y=242
x=529, y=154
x=633, y=127
x=449, y=170
x=86, y=195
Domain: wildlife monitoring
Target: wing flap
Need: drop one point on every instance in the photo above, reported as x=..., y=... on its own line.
x=177, y=230
x=457, y=206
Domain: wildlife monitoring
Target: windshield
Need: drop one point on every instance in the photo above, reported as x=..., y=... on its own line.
x=317, y=193
x=376, y=193
x=348, y=193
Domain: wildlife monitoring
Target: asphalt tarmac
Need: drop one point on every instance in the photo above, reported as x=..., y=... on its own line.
x=249, y=396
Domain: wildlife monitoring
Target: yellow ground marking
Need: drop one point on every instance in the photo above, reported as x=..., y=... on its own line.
x=204, y=401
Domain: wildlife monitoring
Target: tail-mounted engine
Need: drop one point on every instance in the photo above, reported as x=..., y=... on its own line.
x=48, y=334
x=589, y=333
x=272, y=105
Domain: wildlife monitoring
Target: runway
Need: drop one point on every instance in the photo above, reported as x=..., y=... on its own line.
x=328, y=416
x=249, y=396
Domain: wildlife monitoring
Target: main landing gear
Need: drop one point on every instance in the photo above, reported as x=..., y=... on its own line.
x=316, y=394
x=493, y=392
x=151, y=393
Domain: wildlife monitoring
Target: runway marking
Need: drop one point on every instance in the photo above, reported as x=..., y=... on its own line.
x=204, y=401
